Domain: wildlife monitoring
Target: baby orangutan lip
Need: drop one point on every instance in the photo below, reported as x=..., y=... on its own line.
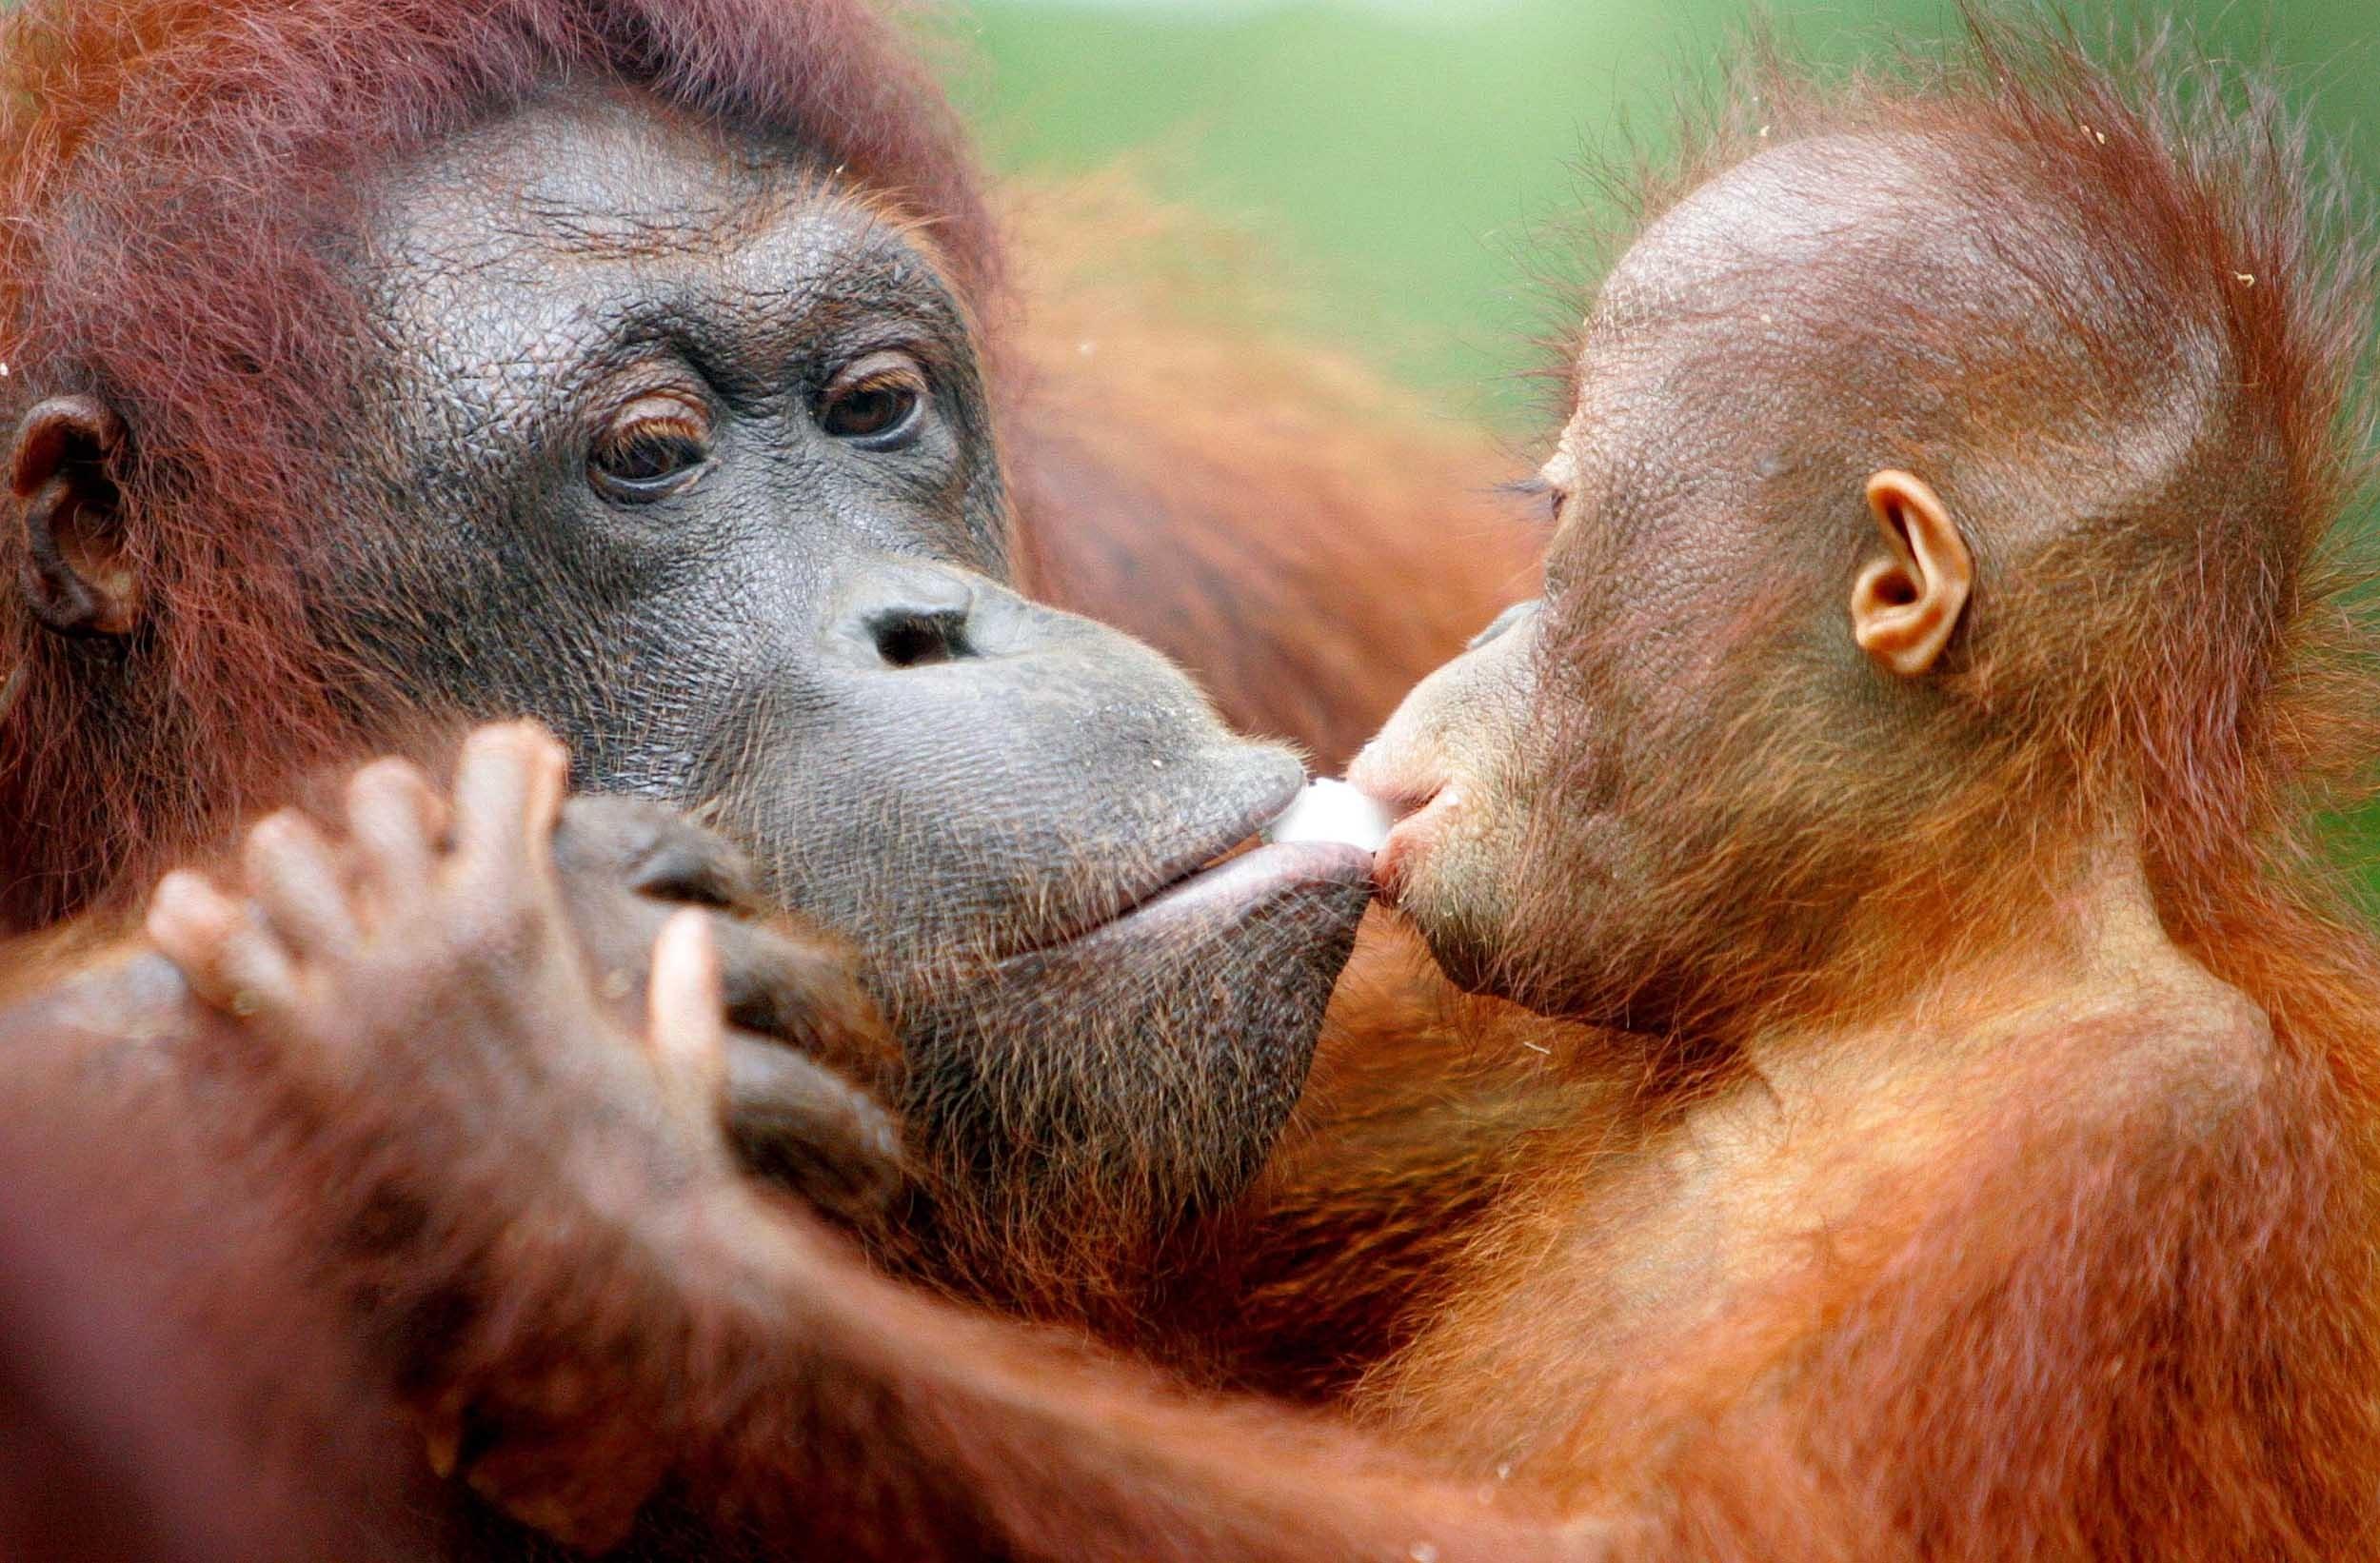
x=1415, y=833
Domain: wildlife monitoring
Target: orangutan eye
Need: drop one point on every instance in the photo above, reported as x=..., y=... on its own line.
x=1537, y=487
x=655, y=447
x=876, y=403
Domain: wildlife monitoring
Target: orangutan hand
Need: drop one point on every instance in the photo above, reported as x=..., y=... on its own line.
x=489, y=1124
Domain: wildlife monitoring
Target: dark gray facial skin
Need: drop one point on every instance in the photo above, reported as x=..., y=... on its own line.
x=689, y=460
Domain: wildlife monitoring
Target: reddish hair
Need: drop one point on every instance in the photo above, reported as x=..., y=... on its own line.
x=183, y=180
x=2199, y=660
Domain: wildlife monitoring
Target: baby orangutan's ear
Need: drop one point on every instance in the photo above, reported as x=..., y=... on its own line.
x=1905, y=605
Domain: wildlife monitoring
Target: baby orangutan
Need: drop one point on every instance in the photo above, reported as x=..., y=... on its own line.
x=1903, y=764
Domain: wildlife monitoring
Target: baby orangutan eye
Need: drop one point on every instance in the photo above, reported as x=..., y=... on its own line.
x=655, y=446
x=1552, y=496
x=876, y=403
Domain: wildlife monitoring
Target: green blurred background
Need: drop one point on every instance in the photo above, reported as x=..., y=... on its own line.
x=1402, y=156
x=1405, y=160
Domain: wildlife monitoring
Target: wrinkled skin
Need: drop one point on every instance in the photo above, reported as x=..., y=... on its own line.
x=444, y=934
x=1679, y=619
x=595, y=1214
x=688, y=458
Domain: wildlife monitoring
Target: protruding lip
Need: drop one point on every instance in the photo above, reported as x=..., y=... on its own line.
x=1219, y=876
x=1226, y=891
x=1231, y=890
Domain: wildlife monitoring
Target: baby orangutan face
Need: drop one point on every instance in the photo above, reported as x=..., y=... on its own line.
x=1503, y=765
x=1671, y=765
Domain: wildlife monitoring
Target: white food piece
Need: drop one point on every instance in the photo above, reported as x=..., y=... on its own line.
x=1330, y=810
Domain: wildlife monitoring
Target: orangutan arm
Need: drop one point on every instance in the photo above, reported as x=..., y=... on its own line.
x=1349, y=1241
x=597, y=1317
x=584, y=1304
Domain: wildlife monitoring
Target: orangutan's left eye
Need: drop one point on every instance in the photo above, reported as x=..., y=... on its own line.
x=875, y=404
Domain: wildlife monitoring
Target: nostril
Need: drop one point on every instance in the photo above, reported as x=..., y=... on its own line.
x=908, y=638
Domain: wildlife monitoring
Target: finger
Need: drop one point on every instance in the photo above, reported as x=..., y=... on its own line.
x=799, y=1124
x=507, y=792
x=685, y=861
x=686, y=1022
x=441, y=1425
x=396, y=820
x=293, y=875
x=803, y=991
x=191, y=922
x=230, y=960
x=654, y=850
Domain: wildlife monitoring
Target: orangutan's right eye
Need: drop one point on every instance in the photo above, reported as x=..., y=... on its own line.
x=655, y=447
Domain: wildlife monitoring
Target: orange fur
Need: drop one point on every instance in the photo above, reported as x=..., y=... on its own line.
x=180, y=174
x=1947, y=1235
x=1305, y=540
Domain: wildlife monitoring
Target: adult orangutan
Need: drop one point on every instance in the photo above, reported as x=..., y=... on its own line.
x=118, y=288
x=1907, y=764
x=617, y=365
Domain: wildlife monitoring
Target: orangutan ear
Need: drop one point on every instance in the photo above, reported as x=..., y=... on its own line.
x=1905, y=605
x=78, y=578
